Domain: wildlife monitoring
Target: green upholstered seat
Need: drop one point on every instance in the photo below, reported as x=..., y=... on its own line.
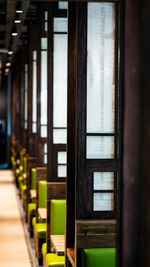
x=53, y=260
x=44, y=248
x=99, y=257
x=42, y=194
x=40, y=230
x=33, y=178
x=32, y=208
x=58, y=208
x=23, y=188
x=17, y=172
x=33, y=221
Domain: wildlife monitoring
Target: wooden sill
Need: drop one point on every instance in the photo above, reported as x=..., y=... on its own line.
x=71, y=255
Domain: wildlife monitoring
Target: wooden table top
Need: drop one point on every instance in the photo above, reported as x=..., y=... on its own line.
x=42, y=213
x=58, y=242
x=33, y=193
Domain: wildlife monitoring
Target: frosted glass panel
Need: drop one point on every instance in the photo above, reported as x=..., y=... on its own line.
x=45, y=158
x=34, y=92
x=60, y=81
x=103, y=201
x=46, y=15
x=62, y=171
x=100, y=147
x=101, y=68
x=34, y=55
x=43, y=131
x=43, y=87
x=46, y=26
x=34, y=127
x=60, y=24
x=45, y=148
x=43, y=43
x=26, y=96
x=62, y=157
x=62, y=5
x=103, y=181
x=60, y=136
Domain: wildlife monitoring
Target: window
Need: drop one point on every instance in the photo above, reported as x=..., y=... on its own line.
x=34, y=92
x=26, y=98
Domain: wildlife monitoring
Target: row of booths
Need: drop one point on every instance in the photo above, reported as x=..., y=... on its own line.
x=66, y=131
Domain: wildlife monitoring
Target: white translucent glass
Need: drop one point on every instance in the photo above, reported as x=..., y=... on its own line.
x=34, y=127
x=60, y=136
x=45, y=148
x=43, y=131
x=100, y=147
x=25, y=125
x=60, y=81
x=26, y=96
x=62, y=157
x=44, y=43
x=46, y=15
x=62, y=171
x=34, y=93
x=60, y=24
x=45, y=158
x=34, y=54
x=103, y=181
x=43, y=87
x=103, y=202
x=62, y=5
x=46, y=26
x=101, y=68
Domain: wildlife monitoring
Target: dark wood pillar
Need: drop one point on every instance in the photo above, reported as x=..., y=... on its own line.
x=136, y=163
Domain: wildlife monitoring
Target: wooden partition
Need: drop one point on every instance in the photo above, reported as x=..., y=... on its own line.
x=94, y=128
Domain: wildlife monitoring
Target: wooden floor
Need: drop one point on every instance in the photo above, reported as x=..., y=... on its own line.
x=13, y=247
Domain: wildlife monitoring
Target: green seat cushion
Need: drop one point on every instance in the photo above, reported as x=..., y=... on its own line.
x=17, y=172
x=44, y=248
x=33, y=221
x=20, y=179
x=58, y=208
x=23, y=188
x=99, y=257
x=40, y=230
x=33, y=178
x=42, y=194
x=25, y=165
x=31, y=208
x=53, y=260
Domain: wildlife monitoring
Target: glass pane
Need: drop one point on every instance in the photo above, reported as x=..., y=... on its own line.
x=34, y=127
x=45, y=148
x=103, y=181
x=34, y=92
x=62, y=5
x=25, y=125
x=101, y=68
x=34, y=55
x=46, y=15
x=43, y=131
x=46, y=26
x=26, y=96
x=103, y=201
x=62, y=157
x=45, y=158
x=100, y=147
x=60, y=136
x=44, y=87
x=60, y=24
x=44, y=43
x=62, y=171
x=60, y=81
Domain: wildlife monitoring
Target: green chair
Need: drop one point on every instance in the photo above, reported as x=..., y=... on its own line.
x=99, y=257
x=32, y=204
x=57, y=224
x=39, y=228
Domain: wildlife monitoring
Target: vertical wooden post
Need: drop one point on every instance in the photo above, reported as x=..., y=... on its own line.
x=136, y=173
